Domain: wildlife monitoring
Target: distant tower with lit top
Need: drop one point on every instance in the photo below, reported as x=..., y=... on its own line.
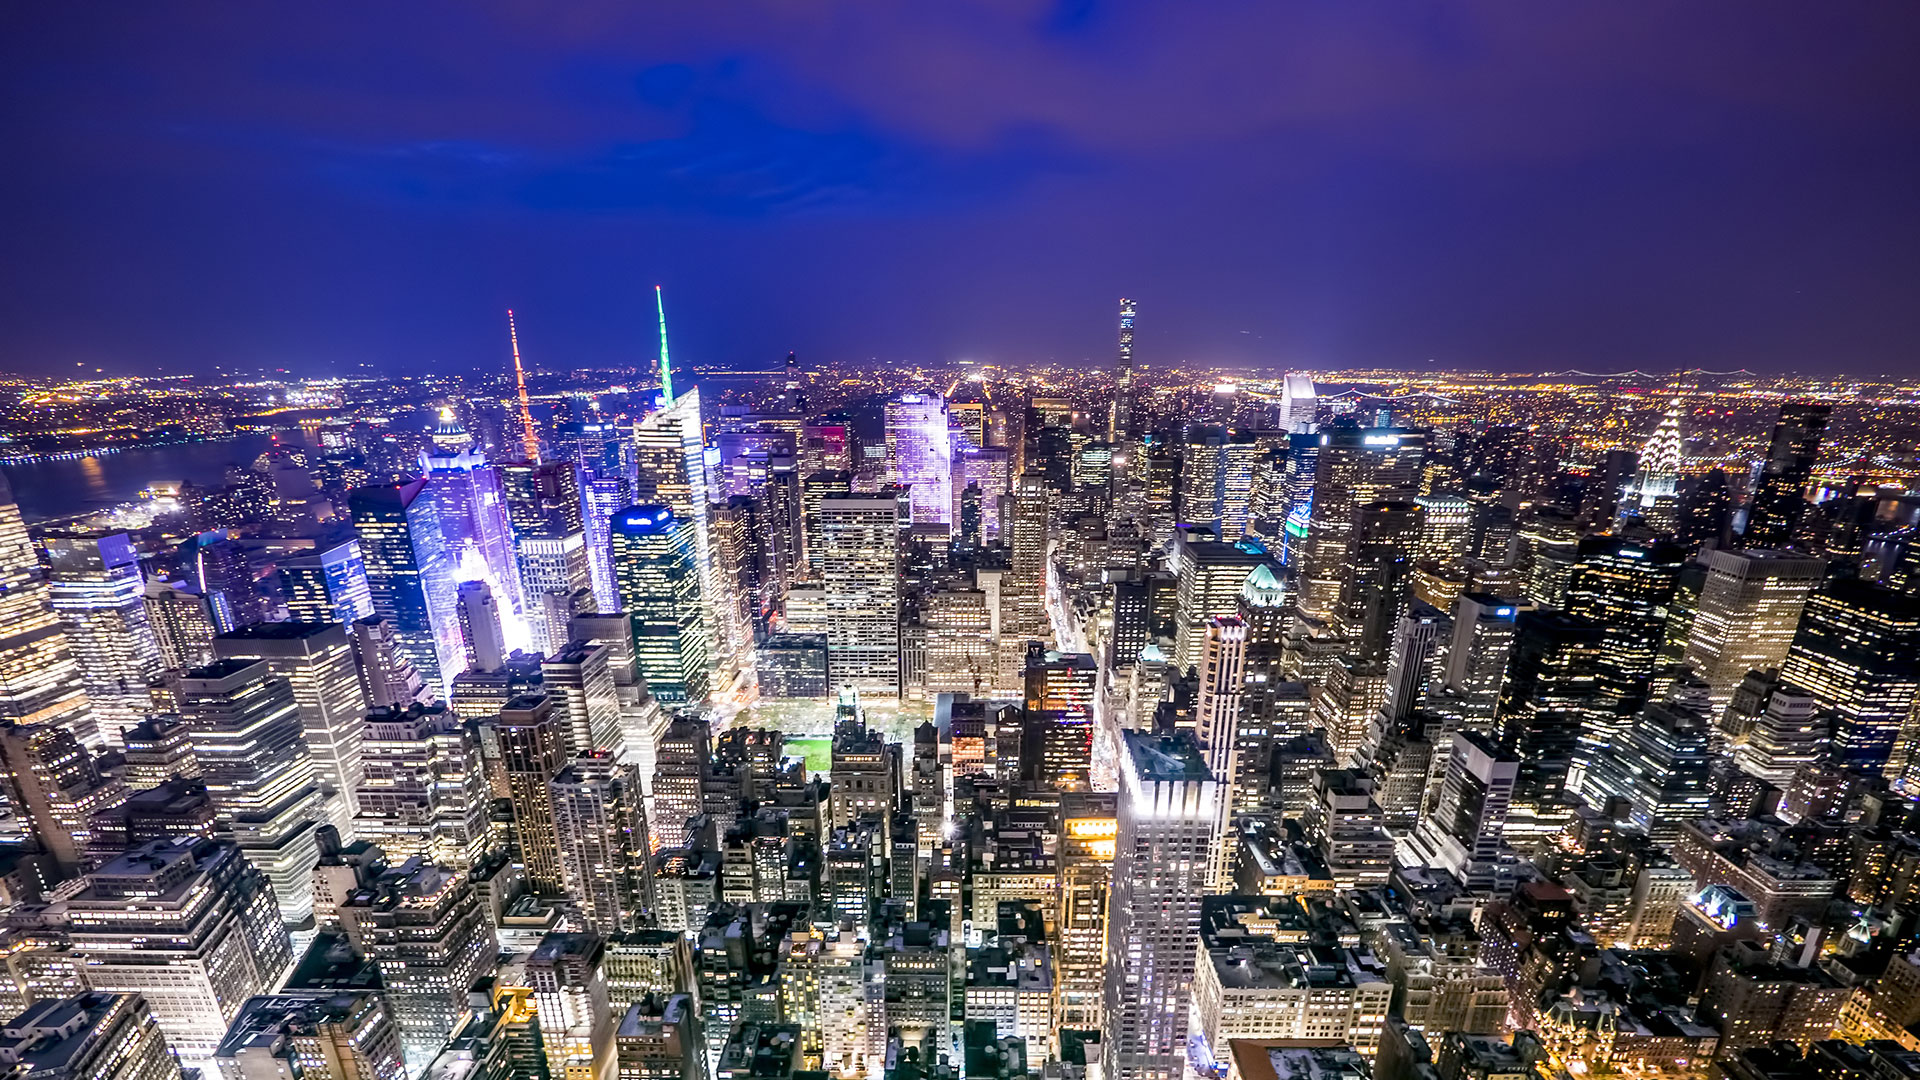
x=1652, y=496
x=1120, y=421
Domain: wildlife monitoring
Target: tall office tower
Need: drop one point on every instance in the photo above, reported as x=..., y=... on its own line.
x=424, y=791
x=1653, y=496
x=339, y=1035
x=568, y=976
x=246, y=727
x=1446, y=527
x=1223, y=681
x=54, y=783
x=1355, y=466
x=1418, y=643
x=1706, y=510
x=1549, y=545
x=471, y=502
x=670, y=453
x=188, y=924
x=1789, y=733
x=1779, y=499
x=1169, y=807
x=424, y=927
x=533, y=750
x=920, y=454
x=986, y=471
x=555, y=583
x=1209, y=577
x=860, y=569
x=1023, y=515
x=740, y=570
x=642, y=720
x=386, y=674
x=1089, y=825
x=656, y=564
x=96, y=590
x=660, y=1038
x=680, y=769
x=1155, y=475
x=95, y=1036
x=227, y=580
x=480, y=626
x=182, y=625
x=317, y=661
x=1346, y=825
x=1857, y=651
x=1749, y=608
x=1624, y=587
x=1120, y=422
x=39, y=681
x=604, y=849
x=410, y=577
x=328, y=586
x=1475, y=669
x=580, y=680
x=603, y=496
x=1060, y=690
x=1551, y=694
x=962, y=639
x=1298, y=406
x=813, y=488
x=1378, y=578
x=1660, y=769
x=1467, y=827
x=158, y=749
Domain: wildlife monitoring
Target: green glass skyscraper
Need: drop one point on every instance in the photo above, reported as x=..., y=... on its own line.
x=658, y=578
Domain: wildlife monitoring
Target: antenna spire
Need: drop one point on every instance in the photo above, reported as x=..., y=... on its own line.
x=529, y=441
x=666, y=367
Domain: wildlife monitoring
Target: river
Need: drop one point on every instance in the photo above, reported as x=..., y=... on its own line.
x=48, y=489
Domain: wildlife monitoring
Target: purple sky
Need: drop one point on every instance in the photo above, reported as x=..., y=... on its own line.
x=1513, y=185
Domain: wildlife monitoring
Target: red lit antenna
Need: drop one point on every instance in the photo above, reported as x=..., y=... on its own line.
x=529, y=440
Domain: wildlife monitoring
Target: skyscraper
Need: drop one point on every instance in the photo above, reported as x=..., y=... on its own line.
x=246, y=730
x=1465, y=831
x=1168, y=810
x=860, y=569
x=920, y=454
x=317, y=661
x=1857, y=651
x=410, y=577
x=1549, y=697
x=1060, y=689
x=55, y=784
x=656, y=566
x=39, y=681
x=1624, y=588
x=480, y=626
x=1120, y=421
x=1356, y=466
x=423, y=926
x=532, y=752
x=1476, y=661
x=182, y=624
x=604, y=851
x=1779, y=499
x=424, y=791
x=1652, y=496
x=1749, y=609
x=328, y=586
x=97, y=591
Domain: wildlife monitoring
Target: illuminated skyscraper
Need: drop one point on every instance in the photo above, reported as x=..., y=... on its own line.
x=1169, y=807
x=54, y=783
x=388, y=677
x=1549, y=697
x=1209, y=578
x=1660, y=767
x=1779, y=499
x=317, y=661
x=1475, y=668
x=330, y=586
x=920, y=454
x=580, y=679
x=480, y=626
x=97, y=591
x=246, y=729
x=424, y=927
x=532, y=752
x=656, y=566
x=1088, y=827
x=1749, y=609
x=670, y=453
x=1468, y=824
x=549, y=546
x=471, y=502
x=424, y=791
x=1060, y=689
x=39, y=681
x=860, y=570
x=1355, y=466
x=604, y=851
x=410, y=576
x=1623, y=587
x=182, y=624
x=1857, y=651
x=1120, y=421
x=1377, y=583
x=1653, y=495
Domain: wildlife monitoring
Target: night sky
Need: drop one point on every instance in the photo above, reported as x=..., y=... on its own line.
x=1521, y=185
